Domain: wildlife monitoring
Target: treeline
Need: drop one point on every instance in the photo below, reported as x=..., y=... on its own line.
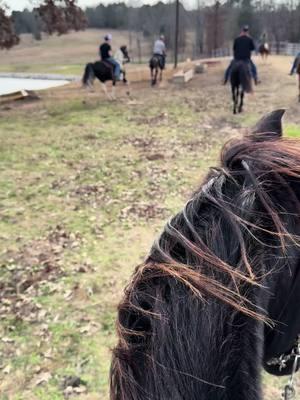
x=213, y=27
x=50, y=16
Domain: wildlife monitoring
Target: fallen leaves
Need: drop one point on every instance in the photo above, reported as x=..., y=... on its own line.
x=42, y=378
x=146, y=211
x=27, y=271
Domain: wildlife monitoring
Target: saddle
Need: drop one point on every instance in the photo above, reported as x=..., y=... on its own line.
x=237, y=63
x=160, y=59
x=107, y=64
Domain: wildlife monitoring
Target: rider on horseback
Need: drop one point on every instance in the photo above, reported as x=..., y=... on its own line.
x=242, y=48
x=159, y=50
x=296, y=64
x=106, y=56
x=121, y=56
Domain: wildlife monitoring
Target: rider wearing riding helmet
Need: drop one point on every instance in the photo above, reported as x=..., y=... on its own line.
x=159, y=50
x=242, y=47
x=106, y=55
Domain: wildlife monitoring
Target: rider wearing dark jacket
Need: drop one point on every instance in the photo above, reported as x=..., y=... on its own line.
x=105, y=52
x=242, y=47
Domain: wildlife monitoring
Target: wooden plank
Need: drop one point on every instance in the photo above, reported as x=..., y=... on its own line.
x=183, y=76
x=18, y=95
x=213, y=63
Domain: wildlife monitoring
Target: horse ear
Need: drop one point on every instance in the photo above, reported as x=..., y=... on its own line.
x=269, y=127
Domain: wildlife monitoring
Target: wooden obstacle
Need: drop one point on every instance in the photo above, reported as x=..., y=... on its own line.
x=200, y=68
x=18, y=95
x=183, y=76
x=213, y=63
x=142, y=74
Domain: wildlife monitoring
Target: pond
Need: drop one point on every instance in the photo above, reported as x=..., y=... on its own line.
x=10, y=85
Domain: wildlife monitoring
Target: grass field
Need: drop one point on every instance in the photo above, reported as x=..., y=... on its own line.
x=69, y=53
x=85, y=186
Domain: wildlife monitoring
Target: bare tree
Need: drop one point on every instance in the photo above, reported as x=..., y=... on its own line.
x=199, y=31
x=8, y=37
x=75, y=17
x=60, y=16
x=214, y=27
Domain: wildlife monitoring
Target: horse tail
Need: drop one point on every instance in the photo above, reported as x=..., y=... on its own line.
x=88, y=75
x=154, y=62
x=245, y=77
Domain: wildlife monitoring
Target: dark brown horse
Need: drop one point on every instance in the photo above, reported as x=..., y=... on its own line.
x=217, y=297
x=156, y=67
x=264, y=51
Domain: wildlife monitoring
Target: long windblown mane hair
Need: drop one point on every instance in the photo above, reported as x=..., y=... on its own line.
x=216, y=253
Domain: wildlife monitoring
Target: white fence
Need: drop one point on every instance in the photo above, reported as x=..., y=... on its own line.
x=285, y=48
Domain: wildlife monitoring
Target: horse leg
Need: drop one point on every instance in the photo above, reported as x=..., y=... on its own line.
x=152, y=76
x=125, y=81
x=237, y=99
x=124, y=77
x=160, y=75
x=241, y=101
x=113, y=90
x=234, y=99
x=104, y=88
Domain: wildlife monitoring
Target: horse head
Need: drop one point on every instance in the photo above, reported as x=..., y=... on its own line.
x=125, y=53
x=217, y=297
x=284, y=284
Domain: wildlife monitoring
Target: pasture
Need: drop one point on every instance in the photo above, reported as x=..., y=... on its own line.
x=86, y=185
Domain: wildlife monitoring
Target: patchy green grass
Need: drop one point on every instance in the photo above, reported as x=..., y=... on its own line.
x=292, y=131
x=83, y=169
x=85, y=185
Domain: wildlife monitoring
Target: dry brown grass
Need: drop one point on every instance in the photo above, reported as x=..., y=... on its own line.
x=72, y=48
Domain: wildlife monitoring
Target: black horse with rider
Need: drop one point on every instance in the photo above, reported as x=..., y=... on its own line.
x=109, y=68
x=241, y=69
x=158, y=60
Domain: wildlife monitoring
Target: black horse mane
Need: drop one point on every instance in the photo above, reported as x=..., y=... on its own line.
x=230, y=236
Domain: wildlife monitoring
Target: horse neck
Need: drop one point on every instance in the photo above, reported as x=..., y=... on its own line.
x=233, y=351
x=196, y=350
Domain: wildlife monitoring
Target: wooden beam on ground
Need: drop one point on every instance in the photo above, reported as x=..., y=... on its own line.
x=200, y=68
x=213, y=63
x=183, y=76
x=18, y=95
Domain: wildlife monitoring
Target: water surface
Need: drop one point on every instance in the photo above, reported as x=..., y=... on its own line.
x=10, y=85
